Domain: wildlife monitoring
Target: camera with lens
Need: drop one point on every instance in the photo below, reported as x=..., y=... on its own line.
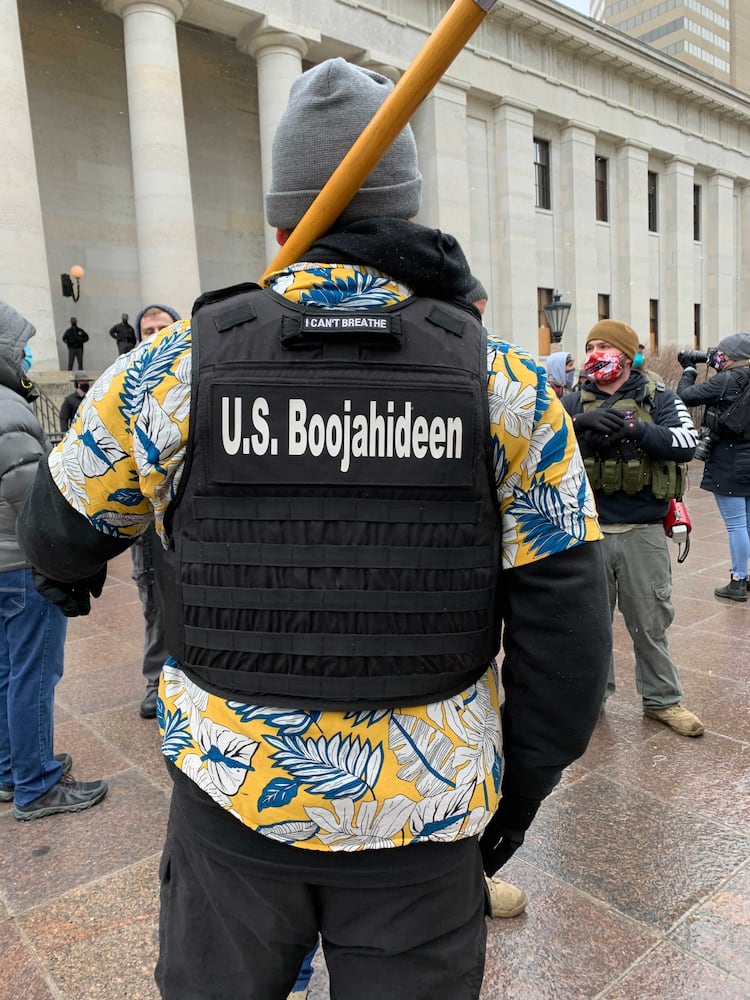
x=686, y=358
x=705, y=443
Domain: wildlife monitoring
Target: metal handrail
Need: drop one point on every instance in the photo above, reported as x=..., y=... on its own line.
x=48, y=415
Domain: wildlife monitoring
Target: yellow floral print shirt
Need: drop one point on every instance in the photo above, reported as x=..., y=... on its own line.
x=323, y=780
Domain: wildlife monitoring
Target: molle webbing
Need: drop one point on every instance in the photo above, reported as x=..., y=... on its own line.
x=634, y=471
x=337, y=536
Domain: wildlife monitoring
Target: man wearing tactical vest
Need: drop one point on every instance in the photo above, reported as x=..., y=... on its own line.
x=634, y=435
x=360, y=489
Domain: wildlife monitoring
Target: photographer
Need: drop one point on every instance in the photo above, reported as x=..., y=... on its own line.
x=725, y=444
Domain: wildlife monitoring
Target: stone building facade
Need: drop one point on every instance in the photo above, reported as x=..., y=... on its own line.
x=136, y=140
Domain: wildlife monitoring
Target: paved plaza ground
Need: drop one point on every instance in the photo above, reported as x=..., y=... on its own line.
x=637, y=868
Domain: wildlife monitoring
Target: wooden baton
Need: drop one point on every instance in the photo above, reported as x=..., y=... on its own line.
x=457, y=26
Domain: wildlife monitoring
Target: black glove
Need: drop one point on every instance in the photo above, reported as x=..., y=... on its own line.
x=632, y=429
x=73, y=599
x=506, y=831
x=601, y=420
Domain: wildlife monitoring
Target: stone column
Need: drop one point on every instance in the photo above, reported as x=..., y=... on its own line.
x=24, y=274
x=579, y=265
x=677, y=241
x=440, y=131
x=630, y=240
x=720, y=304
x=743, y=261
x=165, y=223
x=515, y=313
x=278, y=54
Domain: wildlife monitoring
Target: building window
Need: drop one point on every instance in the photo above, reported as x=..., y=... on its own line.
x=697, y=325
x=697, y=212
x=653, y=325
x=543, y=298
x=602, y=193
x=603, y=306
x=653, y=202
x=541, y=173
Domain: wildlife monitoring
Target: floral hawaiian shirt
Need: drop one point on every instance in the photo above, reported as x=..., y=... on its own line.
x=325, y=780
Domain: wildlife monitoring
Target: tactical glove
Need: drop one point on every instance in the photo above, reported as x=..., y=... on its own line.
x=73, y=599
x=506, y=831
x=602, y=420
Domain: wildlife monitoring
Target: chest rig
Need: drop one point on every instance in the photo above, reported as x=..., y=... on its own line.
x=336, y=530
x=624, y=466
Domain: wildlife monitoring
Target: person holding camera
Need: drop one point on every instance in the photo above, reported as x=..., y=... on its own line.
x=634, y=435
x=725, y=444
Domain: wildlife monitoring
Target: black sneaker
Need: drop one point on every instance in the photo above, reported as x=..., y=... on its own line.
x=66, y=796
x=6, y=791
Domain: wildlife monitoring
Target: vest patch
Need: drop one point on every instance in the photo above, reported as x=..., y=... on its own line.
x=345, y=322
x=334, y=434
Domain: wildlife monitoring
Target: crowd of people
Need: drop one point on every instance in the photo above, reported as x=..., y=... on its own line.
x=345, y=537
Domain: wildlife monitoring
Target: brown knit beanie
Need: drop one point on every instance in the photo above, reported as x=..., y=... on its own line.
x=618, y=334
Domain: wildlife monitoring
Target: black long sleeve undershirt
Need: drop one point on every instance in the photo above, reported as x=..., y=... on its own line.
x=57, y=540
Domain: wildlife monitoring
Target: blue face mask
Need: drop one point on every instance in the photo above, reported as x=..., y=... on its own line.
x=27, y=360
x=570, y=378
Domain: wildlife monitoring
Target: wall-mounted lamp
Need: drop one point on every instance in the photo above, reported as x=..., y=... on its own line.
x=69, y=290
x=557, y=313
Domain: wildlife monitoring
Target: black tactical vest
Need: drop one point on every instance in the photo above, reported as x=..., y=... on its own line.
x=336, y=532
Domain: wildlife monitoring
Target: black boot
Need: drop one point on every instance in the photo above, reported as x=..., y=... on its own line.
x=148, y=705
x=735, y=590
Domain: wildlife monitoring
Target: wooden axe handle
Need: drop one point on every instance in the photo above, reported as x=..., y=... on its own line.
x=455, y=29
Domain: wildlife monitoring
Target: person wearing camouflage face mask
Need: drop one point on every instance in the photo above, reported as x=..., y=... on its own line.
x=634, y=435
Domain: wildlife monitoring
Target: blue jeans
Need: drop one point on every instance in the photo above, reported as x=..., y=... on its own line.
x=306, y=971
x=736, y=514
x=32, y=644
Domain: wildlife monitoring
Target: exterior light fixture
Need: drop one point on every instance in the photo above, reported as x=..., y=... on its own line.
x=557, y=313
x=69, y=290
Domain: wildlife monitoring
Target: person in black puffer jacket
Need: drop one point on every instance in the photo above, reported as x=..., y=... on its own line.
x=727, y=469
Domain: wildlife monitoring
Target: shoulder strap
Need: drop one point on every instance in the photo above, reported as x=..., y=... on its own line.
x=222, y=293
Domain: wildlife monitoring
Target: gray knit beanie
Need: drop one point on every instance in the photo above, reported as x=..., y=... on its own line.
x=477, y=291
x=154, y=305
x=329, y=107
x=736, y=346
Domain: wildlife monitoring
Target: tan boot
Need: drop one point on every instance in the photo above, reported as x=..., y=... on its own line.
x=678, y=718
x=506, y=900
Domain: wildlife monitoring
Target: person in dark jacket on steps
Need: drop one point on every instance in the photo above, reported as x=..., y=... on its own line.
x=72, y=401
x=360, y=487
x=123, y=335
x=726, y=473
x=74, y=338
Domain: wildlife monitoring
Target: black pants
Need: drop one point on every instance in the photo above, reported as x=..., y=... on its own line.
x=227, y=934
x=75, y=358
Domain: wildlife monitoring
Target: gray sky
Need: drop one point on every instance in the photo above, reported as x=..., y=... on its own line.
x=582, y=6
